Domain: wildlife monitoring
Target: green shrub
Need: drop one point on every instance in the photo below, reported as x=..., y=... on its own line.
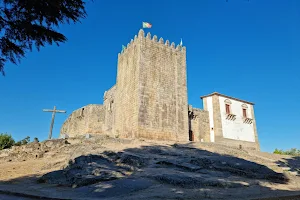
x=277, y=151
x=292, y=152
x=6, y=141
x=18, y=143
x=23, y=142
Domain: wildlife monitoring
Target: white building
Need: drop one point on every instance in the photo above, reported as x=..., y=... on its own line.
x=231, y=120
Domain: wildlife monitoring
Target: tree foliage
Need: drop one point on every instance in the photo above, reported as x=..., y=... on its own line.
x=23, y=142
x=6, y=141
x=28, y=23
x=292, y=151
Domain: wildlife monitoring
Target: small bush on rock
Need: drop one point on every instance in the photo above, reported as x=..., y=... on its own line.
x=23, y=142
x=6, y=141
x=292, y=151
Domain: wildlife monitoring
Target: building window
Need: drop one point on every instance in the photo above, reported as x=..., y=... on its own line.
x=244, y=112
x=229, y=115
x=227, y=107
x=244, y=109
x=246, y=118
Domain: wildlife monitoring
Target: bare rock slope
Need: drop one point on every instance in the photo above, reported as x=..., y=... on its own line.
x=117, y=168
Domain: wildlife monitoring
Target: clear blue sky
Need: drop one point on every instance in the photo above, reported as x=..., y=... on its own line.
x=249, y=50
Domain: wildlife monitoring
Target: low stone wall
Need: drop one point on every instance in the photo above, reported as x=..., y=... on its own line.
x=200, y=125
x=238, y=144
x=88, y=119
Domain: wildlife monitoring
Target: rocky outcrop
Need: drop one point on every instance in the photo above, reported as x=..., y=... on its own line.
x=177, y=166
x=101, y=166
x=34, y=150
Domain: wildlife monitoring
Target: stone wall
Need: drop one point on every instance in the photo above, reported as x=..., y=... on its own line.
x=218, y=133
x=151, y=101
x=238, y=144
x=163, y=110
x=255, y=129
x=199, y=125
x=109, y=109
x=126, y=98
x=88, y=119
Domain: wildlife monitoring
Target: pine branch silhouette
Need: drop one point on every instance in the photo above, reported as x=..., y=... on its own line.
x=28, y=23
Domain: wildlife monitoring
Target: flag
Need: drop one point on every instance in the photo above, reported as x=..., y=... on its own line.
x=147, y=25
x=181, y=42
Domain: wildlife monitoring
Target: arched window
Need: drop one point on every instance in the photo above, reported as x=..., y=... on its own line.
x=227, y=106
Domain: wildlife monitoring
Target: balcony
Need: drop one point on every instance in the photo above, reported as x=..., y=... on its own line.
x=230, y=116
x=247, y=120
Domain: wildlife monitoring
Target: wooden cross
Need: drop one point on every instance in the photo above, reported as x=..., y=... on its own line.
x=52, y=121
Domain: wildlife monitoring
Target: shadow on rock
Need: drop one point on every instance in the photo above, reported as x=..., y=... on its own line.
x=90, y=169
x=156, y=172
x=175, y=165
x=291, y=164
x=211, y=166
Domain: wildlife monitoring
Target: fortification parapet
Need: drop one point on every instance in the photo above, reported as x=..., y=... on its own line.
x=141, y=33
x=154, y=38
x=149, y=35
x=167, y=43
x=148, y=40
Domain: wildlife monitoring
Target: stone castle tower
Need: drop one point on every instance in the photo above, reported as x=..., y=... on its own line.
x=151, y=101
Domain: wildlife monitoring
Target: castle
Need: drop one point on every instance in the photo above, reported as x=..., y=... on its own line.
x=149, y=100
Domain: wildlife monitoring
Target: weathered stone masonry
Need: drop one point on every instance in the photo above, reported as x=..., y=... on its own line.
x=149, y=99
x=198, y=125
x=88, y=119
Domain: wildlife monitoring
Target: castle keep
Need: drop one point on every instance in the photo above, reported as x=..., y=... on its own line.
x=149, y=100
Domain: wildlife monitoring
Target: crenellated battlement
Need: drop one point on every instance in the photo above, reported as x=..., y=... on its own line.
x=142, y=39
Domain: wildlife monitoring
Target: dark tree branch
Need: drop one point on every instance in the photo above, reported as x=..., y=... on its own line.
x=24, y=23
